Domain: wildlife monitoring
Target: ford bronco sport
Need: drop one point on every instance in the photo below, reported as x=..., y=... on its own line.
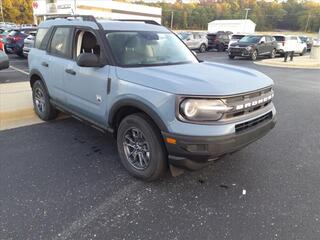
x=139, y=81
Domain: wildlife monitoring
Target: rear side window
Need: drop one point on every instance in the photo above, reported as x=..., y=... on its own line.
x=40, y=42
x=60, y=43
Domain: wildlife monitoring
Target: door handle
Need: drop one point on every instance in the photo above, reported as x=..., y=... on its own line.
x=45, y=64
x=70, y=71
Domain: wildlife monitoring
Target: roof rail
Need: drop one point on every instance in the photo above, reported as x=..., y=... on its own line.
x=89, y=18
x=138, y=20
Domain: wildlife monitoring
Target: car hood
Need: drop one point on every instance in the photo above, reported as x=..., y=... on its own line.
x=197, y=78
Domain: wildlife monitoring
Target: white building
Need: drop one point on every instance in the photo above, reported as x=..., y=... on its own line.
x=235, y=26
x=101, y=9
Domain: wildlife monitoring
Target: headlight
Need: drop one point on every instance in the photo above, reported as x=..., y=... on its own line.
x=248, y=48
x=203, y=109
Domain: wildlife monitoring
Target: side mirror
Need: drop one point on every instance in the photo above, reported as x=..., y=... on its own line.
x=88, y=60
x=188, y=39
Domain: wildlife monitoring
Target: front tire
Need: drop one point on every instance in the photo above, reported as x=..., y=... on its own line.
x=41, y=102
x=141, y=147
x=231, y=56
x=254, y=55
x=273, y=53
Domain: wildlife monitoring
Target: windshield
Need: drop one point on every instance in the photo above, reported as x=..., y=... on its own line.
x=250, y=39
x=237, y=37
x=183, y=36
x=145, y=48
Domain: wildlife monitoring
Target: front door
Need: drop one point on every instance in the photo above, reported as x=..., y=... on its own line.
x=86, y=87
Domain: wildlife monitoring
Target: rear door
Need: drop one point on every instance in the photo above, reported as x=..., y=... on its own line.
x=59, y=56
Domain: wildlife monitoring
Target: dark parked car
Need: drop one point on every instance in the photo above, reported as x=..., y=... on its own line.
x=308, y=41
x=218, y=40
x=14, y=42
x=253, y=46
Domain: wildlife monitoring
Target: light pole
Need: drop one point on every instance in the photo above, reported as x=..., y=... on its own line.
x=247, y=12
x=171, y=20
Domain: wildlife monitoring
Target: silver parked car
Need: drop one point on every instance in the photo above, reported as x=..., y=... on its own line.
x=4, y=60
x=29, y=43
x=195, y=41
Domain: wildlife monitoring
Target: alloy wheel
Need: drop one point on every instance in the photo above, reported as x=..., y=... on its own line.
x=136, y=148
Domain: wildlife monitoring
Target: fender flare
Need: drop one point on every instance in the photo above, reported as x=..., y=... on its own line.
x=133, y=102
x=34, y=72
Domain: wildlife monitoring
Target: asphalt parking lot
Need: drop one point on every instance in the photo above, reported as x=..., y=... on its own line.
x=63, y=180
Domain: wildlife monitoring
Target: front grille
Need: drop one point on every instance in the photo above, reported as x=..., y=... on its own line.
x=248, y=103
x=246, y=125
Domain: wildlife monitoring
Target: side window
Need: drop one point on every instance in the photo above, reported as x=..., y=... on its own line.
x=60, y=43
x=40, y=38
x=86, y=42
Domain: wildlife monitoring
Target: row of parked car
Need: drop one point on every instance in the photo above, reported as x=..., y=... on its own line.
x=245, y=45
x=17, y=40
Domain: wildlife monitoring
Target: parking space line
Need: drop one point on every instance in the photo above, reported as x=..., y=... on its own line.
x=19, y=70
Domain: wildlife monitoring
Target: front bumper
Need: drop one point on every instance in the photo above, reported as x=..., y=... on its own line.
x=239, y=52
x=192, y=152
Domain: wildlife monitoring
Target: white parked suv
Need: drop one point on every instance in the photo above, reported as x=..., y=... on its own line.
x=290, y=43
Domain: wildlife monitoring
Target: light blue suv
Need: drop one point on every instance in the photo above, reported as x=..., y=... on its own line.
x=139, y=81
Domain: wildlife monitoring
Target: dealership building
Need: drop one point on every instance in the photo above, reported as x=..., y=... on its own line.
x=101, y=9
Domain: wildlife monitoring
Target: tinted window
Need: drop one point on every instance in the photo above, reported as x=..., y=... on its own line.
x=251, y=39
x=60, y=42
x=39, y=38
x=237, y=37
x=279, y=38
x=14, y=33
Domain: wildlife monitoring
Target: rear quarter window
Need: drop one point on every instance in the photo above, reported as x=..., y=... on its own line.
x=41, y=40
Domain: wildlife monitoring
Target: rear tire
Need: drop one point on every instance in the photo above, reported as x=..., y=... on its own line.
x=41, y=102
x=303, y=52
x=221, y=47
x=231, y=56
x=141, y=148
x=202, y=48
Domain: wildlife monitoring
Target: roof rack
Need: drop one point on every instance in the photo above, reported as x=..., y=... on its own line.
x=89, y=18
x=137, y=20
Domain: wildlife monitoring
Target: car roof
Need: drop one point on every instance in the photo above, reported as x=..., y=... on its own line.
x=108, y=25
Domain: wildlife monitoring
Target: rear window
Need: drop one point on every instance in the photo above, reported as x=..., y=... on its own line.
x=14, y=33
x=279, y=38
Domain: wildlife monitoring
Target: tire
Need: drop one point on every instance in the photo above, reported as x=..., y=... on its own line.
x=231, y=56
x=221, y=47
x=273, y=53
x=254, y=55
x=303, y=52
x=141, y=148
x=41, y=102
x=202, y=48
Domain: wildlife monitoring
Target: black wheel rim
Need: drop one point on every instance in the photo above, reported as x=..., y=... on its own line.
x=39, y=99
x=202, y=48
x=136, y=149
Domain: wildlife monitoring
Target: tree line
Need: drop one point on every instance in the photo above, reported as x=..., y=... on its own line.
x=289, y=15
